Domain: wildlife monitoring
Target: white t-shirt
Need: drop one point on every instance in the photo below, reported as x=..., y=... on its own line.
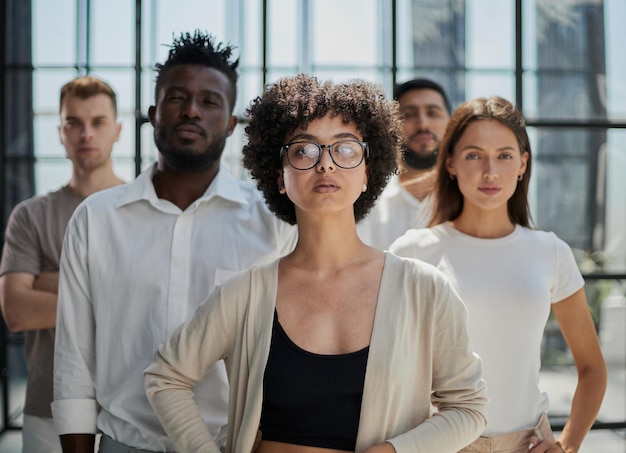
x=395, y=212
x=508, y=285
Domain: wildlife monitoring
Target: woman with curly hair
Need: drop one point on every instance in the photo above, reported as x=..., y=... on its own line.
x=510, y=276
x=337, y=346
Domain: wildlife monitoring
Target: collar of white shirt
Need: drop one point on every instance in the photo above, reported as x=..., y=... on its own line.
x=224, y=186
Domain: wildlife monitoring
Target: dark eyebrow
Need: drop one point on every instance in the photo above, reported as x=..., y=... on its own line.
x=183, y=89
x=427, y=106
x=504, y=148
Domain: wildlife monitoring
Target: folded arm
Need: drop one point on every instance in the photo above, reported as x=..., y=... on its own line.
x=29, y=302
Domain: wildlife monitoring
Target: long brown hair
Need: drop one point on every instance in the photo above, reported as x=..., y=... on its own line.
x=448, y=197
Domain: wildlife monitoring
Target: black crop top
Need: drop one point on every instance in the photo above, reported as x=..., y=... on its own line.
x=311, y=399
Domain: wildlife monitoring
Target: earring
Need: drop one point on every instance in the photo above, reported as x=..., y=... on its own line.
x=452, y=177
x=520, y=176
x=364, y=187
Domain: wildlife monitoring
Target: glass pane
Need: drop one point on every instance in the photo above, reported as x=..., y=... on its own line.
x=250, y=39
x=614, y=13
x=431, y=43
x=283, y=40
x=123, y=83
x=58, y=20
x=615, y=245
x=168, y=20
x=529, y=35
x=149, y=44
x=490, y=43
x=565, y=34
x=563, y=95
x=107, y=47
x=343, y=75
x=17, y=378
x=249, y=87
x=486, y=84
x=51, y=174
x=404, y=38
x=565, y=52
x=565, y=184
x=46, y=137
x=274, y=75
x=124, y=168
x=125, y=146
x=47, y=85
x=613, y=341
x=149, y=152
x=339, y=37
x=232, y=156
x=437, y=34
x=147, y=90
x=530, y=96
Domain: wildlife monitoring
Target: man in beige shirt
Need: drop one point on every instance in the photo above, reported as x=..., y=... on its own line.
x=29, y=271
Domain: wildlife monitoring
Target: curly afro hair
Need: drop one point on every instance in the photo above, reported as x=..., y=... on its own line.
x=293, y=102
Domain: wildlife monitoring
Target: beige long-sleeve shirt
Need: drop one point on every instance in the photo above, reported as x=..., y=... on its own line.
x=419, y=353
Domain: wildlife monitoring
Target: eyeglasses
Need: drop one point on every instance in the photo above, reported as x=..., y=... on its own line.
x=306, y=155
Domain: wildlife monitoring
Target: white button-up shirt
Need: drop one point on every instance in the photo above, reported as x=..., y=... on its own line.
x=395, y=211
x=133, y=268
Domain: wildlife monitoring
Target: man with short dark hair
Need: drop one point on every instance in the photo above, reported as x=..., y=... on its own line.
x=406, y=202
x=139, y=259
x=29, y=272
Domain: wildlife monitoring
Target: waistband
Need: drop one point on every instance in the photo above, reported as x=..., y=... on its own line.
x=108, y=445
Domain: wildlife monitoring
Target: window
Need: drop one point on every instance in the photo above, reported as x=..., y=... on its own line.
x=560, y=61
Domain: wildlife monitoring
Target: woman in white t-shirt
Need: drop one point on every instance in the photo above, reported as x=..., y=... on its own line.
x=509, y=276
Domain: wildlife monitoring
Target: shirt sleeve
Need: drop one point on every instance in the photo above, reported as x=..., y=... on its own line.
x=406, y=245
x=21, y=250
x=458, y=391
x=568, y=278
x=180, y=364
x=74, y=407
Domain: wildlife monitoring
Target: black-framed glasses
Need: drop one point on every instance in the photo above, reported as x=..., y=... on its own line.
x=303, y=155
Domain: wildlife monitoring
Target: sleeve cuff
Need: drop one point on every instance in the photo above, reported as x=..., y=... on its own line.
x=75, y=416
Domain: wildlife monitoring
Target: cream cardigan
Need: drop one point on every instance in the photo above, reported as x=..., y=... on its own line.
x=418, y=353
